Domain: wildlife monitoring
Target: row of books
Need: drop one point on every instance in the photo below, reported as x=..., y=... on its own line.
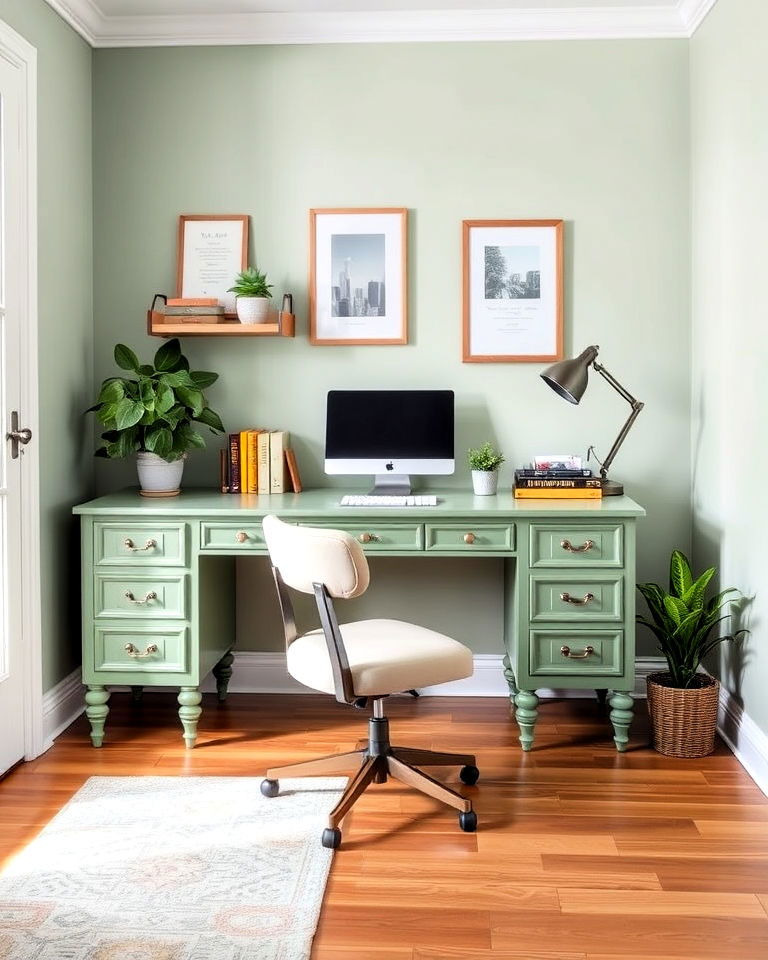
x=259, y=461
x=191, y=310
x=563, y=478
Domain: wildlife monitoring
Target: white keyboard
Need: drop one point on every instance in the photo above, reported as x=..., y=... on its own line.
x=387, y=501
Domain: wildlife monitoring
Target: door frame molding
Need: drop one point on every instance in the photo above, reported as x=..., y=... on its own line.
x=23, y=57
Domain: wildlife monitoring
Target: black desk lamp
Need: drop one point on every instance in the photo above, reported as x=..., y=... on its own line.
x=569, y=379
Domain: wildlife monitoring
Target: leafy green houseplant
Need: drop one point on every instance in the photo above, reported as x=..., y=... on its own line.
x=253, y=294
x=484, y=463
x=683, y=700
x=152, y=413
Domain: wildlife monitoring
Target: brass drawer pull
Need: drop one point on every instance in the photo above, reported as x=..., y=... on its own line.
x=469, y=538
x=368, y=538
x=241, y=536
x=587, y=652
x=579, y=601
x=149, y=545
x=567, y=545
x=134, y=651
x=150, y=596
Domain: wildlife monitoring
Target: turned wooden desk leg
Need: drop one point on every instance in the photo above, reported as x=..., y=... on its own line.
x=621, y=717
x=96, y=710
x=509, y=676
x=526, y=715
x=189, y=713
x=223, y=672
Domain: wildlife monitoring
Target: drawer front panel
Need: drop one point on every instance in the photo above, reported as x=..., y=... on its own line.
x=121, y=596
x=592, y=545
x=598, y=653
x=576, y=598
x=470, y=536
x=111, y=656
x=381, y=536
x=159, y=544
x=245, y=536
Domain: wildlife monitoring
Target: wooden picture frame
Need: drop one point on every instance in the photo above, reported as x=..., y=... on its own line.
x=204, y=270
x=506, y=319
x=377, y=239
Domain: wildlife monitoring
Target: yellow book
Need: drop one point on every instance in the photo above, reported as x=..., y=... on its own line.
x=262, y=445
x=559, y=493
x=252, y=458
x=243, y=461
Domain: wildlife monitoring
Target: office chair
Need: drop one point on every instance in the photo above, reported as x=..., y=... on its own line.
x=361, y=663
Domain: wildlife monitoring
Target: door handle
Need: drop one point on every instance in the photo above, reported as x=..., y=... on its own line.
x=17, y=436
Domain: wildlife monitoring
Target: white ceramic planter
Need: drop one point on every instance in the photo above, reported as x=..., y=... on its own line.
x=158, y=477
x=485, y=482
x=252, y=310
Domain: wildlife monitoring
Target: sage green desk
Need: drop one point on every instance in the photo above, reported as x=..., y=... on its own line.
x=158, y=586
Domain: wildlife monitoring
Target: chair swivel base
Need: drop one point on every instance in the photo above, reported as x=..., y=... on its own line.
x=377, y=762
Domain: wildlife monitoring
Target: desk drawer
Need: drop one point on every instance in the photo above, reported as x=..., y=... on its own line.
x=111, y=656
x=159, y=544
x=573, y=598
x=377, y=536
x=122, y=596
x=590, y=545
x=598, y=653
x=246, y=536
x=468, y=537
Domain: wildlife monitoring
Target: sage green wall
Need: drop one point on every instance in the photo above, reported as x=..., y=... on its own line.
x=593, y=132
x=65, y=314
x=729, y=148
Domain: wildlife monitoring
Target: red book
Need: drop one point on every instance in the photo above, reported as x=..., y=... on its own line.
x=192, y=302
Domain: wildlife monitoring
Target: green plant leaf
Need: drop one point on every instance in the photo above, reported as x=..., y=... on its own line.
x=676, y=609
x=111, y=391
x=146, y=370
x=107, y=413
x=165, y=398
x=177, y=378
x=694, y=595
x=168, y=355
x=210, y=419
x=125, y=358
x=680, y=578
x=203, y=379
x=191, y=398
x=159, y=440
x=147, y=393
x=128, y=412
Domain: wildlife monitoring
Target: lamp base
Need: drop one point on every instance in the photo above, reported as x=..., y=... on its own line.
x=612, y=488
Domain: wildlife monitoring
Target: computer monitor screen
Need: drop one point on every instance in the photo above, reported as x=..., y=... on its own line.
x=389, y=432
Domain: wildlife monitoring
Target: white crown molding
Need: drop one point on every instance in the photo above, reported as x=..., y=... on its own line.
x=581, y=23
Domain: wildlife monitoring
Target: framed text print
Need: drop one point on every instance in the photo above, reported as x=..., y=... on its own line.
x=213, y=249
x=358, y=290
x=513, y=291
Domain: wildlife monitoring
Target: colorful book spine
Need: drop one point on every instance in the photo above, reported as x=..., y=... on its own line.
x=223, y=471
x=293, y=471
x=278, y=442
x=262, y=485
x=549, y=493
x=252, y=456
x=553, y=474
x=234, y=463
x=243, y=461
x=574, y=483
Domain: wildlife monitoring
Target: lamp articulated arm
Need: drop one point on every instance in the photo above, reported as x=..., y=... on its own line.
x=636, y=405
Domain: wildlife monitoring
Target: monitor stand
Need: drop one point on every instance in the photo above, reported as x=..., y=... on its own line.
x=391, y=484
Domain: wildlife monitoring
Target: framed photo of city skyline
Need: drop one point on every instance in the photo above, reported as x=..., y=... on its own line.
x=513, y=291
x=358, y=287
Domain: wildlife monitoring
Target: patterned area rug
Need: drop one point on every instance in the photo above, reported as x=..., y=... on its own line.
x=172, y=868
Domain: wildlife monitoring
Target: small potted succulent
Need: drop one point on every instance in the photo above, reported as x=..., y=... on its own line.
x=682, y=701
x=152, y=414
x=484, y=463
x=253, y=296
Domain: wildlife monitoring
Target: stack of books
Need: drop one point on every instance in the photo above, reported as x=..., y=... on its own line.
x=259, y=461
x=557, y=478
x=191, y=310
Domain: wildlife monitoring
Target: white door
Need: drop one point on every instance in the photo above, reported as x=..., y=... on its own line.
x=13, y=274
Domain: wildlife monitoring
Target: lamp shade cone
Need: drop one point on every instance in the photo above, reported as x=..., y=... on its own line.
x=569, y=378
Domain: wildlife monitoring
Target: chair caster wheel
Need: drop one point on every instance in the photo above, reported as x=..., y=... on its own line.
x=468, y=821
x=270, y=788
x=331, y=838
x=469, y=775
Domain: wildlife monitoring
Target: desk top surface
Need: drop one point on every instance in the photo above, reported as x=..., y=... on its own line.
x=208, y=503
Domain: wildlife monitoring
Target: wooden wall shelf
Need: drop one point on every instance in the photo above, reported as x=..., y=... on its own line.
x=283, y=325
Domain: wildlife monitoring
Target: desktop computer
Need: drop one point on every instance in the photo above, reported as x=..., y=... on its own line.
x=390, y=434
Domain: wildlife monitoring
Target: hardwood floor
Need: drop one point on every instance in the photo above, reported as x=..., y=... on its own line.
x=581, y=853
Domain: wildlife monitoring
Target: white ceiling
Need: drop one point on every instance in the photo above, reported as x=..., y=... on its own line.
x=130, y=23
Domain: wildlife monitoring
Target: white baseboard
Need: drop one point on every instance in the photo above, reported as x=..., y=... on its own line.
x=745, y=739
x=62, y=705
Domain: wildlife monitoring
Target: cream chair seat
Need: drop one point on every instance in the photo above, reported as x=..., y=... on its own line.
x=358, y=662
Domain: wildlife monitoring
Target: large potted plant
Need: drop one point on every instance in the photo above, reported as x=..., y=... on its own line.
x=253, y=295
x=484, y=463
x=682, y=701
x=152, y=414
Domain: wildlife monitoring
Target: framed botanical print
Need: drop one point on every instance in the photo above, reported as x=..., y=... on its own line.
x=213, y=249
x=513, y=291
x=358, y=288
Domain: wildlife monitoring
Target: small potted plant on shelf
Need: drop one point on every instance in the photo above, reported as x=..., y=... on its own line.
x=253, y=296
x=484, y=463
x=152, y=414
x=682, y=702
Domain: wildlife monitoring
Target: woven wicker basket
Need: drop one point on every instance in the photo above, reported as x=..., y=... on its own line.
x=683, y=722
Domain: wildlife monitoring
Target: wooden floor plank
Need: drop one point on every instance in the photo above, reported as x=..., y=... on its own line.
x=729, y=906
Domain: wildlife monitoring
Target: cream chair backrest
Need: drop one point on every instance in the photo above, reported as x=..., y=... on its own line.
x=307, y=555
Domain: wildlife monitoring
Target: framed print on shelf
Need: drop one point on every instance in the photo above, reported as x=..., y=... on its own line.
x=213, y=249
x=358, y=288
x=513, y=291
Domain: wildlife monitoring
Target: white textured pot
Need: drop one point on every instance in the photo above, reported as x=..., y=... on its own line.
x=158, y=477
x=253, y=309
x=485, y=482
